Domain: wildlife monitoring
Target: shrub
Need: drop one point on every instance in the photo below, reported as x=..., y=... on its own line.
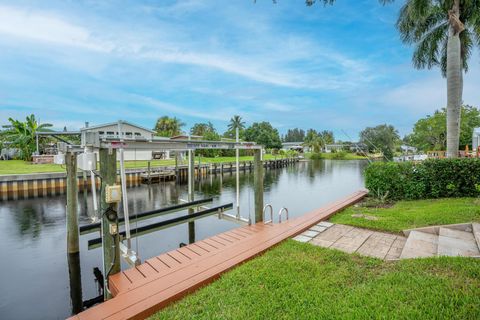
x=428, y=179
x=339, y=155
x=316, y=156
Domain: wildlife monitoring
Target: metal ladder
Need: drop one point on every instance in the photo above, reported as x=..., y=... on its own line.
x=282, y=210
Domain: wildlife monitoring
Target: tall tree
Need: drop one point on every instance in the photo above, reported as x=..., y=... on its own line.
x=327, y=137
x=235, y=122
x=444, y=33
x=430, y=133
x=168, y=127
x=381, y=138
x=22, y=135
x=263, y=133
x=294, y=135
x=201, y=129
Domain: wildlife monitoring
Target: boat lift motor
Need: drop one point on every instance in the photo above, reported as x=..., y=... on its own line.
x=87, y=161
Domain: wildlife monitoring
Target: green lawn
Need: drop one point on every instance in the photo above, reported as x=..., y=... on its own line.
x=300, y=281
x=413, y=214
x=22, y=167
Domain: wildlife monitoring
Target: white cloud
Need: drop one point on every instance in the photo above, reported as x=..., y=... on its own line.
x=265, y=59
x=44, y=27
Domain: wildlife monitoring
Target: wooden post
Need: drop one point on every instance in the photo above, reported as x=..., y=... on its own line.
x=258, y=185
x=176, y=164
x=75, y=278
x=111, y=239
x=149, y=178
x=72, y=203
x=191, y=192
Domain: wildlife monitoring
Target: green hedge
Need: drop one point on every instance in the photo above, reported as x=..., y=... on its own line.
x=427, y=179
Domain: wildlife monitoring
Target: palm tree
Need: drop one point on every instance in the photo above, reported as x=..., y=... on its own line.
x=168, y=127
x=22, y=135
x=444, y=33
x=236, y=122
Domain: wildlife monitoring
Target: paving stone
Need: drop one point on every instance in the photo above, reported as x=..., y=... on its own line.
x=334, y=233
x=344, y=247
x=301, y=238
x=318, y=228
x=374, y=247
x=394, y=253
x=321, y=243
x=310, y=233
x=325, y=224
x=399, y=242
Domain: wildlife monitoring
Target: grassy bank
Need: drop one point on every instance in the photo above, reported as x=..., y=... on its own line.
x=24, y=167
x=301, y=281
x=412, y=214
x=335, y=156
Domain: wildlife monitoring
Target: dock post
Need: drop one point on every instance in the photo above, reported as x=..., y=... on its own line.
x=191, y=192
x=111, y=239
x=72, y=203
x=258, y=185
x=75, y=277
x=176, y=163
x=149, y=178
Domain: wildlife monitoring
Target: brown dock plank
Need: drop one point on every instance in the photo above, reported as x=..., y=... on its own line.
x=155, y=290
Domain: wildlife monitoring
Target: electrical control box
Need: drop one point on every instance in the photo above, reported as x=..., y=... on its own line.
x=87, y=161
x=59, y=159
x=113, y=194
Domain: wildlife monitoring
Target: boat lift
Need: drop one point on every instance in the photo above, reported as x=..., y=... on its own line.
x=113, y=194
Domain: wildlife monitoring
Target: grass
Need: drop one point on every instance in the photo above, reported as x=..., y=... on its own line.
x=24, y=167
x=300, y=281
x=413, y=214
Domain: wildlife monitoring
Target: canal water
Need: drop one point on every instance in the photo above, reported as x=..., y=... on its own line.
x=34, y=269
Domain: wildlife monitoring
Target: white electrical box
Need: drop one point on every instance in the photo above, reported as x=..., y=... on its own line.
x=113, y=194
x=87, y=161
x=59, y=158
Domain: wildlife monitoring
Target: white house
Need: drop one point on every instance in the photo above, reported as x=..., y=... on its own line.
x=127, y=130
x=475, y=139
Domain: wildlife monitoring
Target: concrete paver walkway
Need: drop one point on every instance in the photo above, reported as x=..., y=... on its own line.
x=351, y=239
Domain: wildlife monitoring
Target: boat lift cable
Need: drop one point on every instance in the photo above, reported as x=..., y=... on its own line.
x=358, y=147
x=368, y=140
x=124, y=187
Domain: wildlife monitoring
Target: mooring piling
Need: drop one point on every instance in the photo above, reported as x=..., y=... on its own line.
x=111, y=239
x=258, y=184
x=72, y=203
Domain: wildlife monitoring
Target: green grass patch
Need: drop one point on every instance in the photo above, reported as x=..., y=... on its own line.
x=412, y=214
x=301, y=281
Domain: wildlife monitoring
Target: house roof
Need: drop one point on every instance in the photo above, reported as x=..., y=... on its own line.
x=185, y=137
x=115, y=123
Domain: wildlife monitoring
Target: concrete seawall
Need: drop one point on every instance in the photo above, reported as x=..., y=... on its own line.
x=24, y=186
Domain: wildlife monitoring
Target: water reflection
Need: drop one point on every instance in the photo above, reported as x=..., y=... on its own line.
x=33, y=236
x=75, y=278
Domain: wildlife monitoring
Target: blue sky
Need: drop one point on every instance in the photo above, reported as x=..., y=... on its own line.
x=337, y=68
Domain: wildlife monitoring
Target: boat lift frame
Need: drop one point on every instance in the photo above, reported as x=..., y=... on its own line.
x=93, y=141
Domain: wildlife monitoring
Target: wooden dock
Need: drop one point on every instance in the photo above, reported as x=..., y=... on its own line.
x=158, y=176
x=141, y=291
